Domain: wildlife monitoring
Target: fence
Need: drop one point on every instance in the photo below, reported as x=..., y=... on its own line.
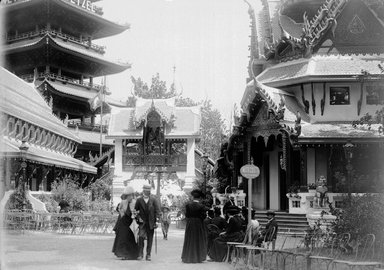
x=72, y=223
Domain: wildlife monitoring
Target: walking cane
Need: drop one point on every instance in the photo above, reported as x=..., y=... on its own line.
x=155, y=240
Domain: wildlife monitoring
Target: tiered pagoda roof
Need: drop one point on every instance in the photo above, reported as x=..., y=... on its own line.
x=327, y=50
x=22, y=105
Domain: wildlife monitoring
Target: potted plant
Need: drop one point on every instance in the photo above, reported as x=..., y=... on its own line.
x=312, y=188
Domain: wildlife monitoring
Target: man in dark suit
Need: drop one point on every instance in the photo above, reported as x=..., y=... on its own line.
x=148, y=209
x=270, y=231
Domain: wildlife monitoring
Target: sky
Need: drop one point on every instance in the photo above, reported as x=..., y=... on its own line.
x=205, y=40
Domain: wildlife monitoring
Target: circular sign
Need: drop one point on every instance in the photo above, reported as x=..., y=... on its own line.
x=250, y=171
x=23, y=164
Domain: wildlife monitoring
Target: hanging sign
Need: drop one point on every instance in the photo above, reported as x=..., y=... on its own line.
x=85, y=4
x=250, y=171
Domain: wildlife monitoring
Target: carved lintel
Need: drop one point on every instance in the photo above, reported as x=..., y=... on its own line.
x=313, y=100
x=305, y=102
x=322, y=103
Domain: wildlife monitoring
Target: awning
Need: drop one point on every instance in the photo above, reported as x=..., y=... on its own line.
x=10, y=148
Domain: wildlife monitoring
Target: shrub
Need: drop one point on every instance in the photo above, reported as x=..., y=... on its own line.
x=361, y=215
x=70, y=191
x=50, y=204
x=18, y=200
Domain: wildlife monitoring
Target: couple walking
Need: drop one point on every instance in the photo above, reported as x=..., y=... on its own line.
x=141, y=213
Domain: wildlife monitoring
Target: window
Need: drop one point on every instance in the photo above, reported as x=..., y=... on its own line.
x=375, y=95
x=339, y=95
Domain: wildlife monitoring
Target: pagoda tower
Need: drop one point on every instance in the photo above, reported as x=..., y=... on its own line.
x=50, y=43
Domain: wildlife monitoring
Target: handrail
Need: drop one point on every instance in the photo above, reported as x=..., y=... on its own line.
x=65, y=79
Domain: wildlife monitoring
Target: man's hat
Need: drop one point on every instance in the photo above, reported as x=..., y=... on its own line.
x=270, y=213
x=233, y=210
x=147, y=187
x=197, y=193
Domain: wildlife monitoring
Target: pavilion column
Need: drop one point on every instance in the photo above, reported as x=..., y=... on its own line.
x=311, y=165
x=190, y=176
x=118, y=179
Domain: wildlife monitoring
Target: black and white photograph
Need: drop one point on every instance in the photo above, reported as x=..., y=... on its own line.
x=192, y=134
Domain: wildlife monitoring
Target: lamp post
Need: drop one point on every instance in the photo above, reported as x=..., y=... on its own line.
x=204, y=169
x=348, y=151
x=23, y=149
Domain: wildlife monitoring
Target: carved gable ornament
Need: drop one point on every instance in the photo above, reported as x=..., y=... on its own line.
x=356, y=26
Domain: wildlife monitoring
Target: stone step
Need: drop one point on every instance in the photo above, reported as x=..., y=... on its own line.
x=286, y=221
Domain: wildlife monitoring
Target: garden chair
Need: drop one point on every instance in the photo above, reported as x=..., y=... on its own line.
x=292, y=255
x=328, y=248
x=252, y=253
x=363, y=253
x=231, y=245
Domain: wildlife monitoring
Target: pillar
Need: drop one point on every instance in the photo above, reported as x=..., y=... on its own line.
x=311, y=165
x=274, y=187
x=190, y=175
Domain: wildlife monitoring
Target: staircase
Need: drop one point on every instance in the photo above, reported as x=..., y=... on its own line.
x=286, y=221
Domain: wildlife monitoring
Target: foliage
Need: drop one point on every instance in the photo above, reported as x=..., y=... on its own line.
x=361, y=214
x=294, y=188
x=18, y=200
x=213, y=130
x=158, y=88
x=50, y=204
x=101, y=189
x=312, y=186
x=70, y=191
x=100, y=205
x=180, y=202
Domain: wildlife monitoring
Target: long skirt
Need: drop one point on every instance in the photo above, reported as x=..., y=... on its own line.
x=195, y=242
x=125, y=246
x=218, y=249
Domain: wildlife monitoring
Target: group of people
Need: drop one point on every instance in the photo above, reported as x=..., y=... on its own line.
x=136, y=224
x=206, y=233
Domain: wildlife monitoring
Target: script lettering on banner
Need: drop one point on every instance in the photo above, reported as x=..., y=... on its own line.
x=85, y=4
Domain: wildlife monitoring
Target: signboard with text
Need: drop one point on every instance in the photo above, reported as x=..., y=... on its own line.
x=250, y=171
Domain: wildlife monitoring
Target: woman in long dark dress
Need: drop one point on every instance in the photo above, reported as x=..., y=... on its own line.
x=233, y=233
x=195, y=237
x=125, y=246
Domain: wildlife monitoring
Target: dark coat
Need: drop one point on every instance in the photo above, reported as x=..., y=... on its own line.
x=195, y=236
x=272, y=223
x=149, y=212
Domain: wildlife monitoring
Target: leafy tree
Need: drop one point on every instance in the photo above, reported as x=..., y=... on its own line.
x=213, y=130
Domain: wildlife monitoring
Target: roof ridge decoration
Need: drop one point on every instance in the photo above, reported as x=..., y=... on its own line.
x=313, y=30
x=140, y=120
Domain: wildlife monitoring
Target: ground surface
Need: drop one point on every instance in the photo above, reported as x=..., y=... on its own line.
x=43, y=251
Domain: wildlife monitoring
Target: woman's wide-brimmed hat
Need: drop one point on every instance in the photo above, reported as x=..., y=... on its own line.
x=197, y=193
x=128, y=190
x=270, y=213
x=233, y=210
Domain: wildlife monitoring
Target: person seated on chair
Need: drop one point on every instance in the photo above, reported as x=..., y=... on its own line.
x=270, y=227
x=233, y=233
x=216, y=226
x=321, y=191
x=229, y=203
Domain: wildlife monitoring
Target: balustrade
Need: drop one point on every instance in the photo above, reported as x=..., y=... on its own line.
x=64, y=79
x=55, y=33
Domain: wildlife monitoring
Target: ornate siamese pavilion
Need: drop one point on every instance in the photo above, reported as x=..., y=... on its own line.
x=314, y=73
x=154, y=140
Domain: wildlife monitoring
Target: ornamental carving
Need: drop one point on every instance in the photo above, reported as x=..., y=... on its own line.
x=356, y=26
